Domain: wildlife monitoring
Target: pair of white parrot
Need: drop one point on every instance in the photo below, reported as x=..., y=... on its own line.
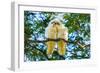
x=56, y=30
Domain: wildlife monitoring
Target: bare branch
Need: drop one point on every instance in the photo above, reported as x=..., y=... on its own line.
x=56, y=40
x=48, y=39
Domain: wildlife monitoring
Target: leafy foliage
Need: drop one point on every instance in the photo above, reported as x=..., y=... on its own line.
x=78, y=25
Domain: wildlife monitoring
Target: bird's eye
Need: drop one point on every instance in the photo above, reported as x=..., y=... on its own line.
x=57, y=23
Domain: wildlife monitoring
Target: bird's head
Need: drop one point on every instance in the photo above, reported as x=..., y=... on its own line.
x=55, y=22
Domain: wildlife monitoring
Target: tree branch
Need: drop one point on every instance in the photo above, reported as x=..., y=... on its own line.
x=48, y=39
x=56, y=40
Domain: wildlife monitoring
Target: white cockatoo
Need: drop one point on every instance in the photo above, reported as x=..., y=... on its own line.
x=56, y=30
